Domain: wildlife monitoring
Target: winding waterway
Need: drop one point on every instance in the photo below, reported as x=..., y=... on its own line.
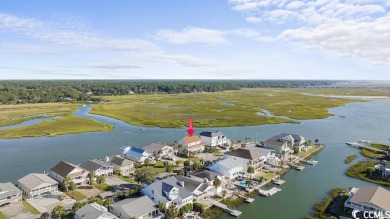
x=367, y=120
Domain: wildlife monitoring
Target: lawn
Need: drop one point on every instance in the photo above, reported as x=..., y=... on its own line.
x=30, y=208
x=78, y=196
x=371, y=154
x=380, y=147
x=303, y=153
x=63, y=125
x=124, y=178
x=156, y=169
x=103, y=187
x=212, y=110
x=2, y=216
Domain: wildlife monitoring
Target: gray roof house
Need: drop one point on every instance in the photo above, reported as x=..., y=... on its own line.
x=37, y=185
x=170, y=191
x=166, y=151
x=64, y=169
x=142, y=207
x=369, y=198
x=229, y=167
x=246, y=157
x=100, y=168
x=285, y=143
x=197, y=186
x=214, y=139
x=9, y=194
x=268, y=154
x=93, y=211
x=121, y=165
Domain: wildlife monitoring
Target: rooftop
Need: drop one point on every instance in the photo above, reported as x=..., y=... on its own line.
x=64, y=169
x=136, y=207
x=93, y=165
x=206, y=174
x=8, y=189
x=36, y=180
x=243, y=153
x=374, y=196
x=93, y=211
x=191, y=139
x=212, y=134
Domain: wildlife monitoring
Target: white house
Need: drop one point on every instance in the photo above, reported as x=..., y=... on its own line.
x=229, y=167
x=100, y=168
x=369, y=198
x=268, y=155
x=384, y=168
x=9, y=194
x=191, y=144
x=169, y=191
x=214, y=139
x=140, y=208
x=135, y=154
x=286, y=143
x=121, y=165
x=161, y=151
x=64, y=169
x=209, y=177
x=246, y=158
x=37, y=185
x=93, y=211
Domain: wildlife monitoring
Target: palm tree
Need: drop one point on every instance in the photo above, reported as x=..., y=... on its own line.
x=317, y=141
x=66, y=183
x=171, y=212
x=162, y=206
x=108, y=202
x=249, y=183
x=250, y=170
x=100, y=179
x=72, y=186
x=77, y=206
x=91, y=177
x=147, y=162
x=217, y=182
x=58, y=211
x=45, y=215
x=168, y=169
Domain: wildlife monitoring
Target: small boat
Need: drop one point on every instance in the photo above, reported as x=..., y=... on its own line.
x=142, y=129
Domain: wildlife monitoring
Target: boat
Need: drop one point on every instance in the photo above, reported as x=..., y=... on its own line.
x=142, y=129
x=312, y=162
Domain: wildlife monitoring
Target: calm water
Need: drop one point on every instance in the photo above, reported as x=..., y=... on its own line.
x=369, y=120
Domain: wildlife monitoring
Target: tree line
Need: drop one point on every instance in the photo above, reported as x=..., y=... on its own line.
x=43, y=91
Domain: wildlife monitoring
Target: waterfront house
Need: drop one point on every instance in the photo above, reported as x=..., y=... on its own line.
x=140, y=208
x=246, y=158
x=214, y=139
x=268, y=155
x=100, y=168
x=191, y=144
x=135, y=154
x=161, y=151
x=286, y=143
x=64, y=169
x=209, y=177
x=170, y=191
x=384, y=168
x=9, y=194
x=199, y=189
x=369, y=198
x=93, y=211
x=36, y=185
x=121, y=165
x=229, y=167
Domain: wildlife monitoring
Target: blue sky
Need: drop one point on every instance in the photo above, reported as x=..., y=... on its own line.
x=195, y=39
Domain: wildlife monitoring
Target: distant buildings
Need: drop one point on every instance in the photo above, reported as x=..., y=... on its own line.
x=214, y=139
x=64, y=169
x=384, y=169
x=36, y=185
x=369, y=198
x=9, y=194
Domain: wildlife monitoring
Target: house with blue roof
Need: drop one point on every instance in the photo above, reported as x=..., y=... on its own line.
x=136, y=154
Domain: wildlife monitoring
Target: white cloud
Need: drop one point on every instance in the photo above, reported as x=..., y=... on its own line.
x=193, y=35
x=350, y=28
x=253, y=20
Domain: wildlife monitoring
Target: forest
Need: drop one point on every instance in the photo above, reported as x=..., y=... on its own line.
x=44, y=91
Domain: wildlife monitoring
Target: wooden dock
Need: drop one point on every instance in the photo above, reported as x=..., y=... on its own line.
x=300, y=168
x=247, y=200
x=232, y=212
x=269, y=192
x=278, y=181
x=310, y=162
x=357, y=145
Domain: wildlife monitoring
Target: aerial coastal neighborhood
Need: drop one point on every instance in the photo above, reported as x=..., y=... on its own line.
x=182, y=179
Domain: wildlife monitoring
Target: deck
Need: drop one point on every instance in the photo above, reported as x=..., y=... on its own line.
x=226, y=208
x=269, y=192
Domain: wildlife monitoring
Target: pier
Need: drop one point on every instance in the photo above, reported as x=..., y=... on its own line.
x=277, y=181
x=232, y=212
x=357, y=145
x=310, y=162
x=247, y=200
x=269, y=192
x=300, y=168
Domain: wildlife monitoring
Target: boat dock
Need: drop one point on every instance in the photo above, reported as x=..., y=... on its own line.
x=310, y=162
x=232, y=212
x=300, y=168
x=247, y=200
x=357, y=145
x=269, y=192
x=278, y=181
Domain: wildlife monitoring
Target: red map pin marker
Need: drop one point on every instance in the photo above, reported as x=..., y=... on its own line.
x=190, y=130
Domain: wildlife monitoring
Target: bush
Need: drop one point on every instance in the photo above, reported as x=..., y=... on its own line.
x=198, y=207
x=186, y=208
x=212, y=213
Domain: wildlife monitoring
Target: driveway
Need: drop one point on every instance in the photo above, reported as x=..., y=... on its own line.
x=88, y=190
x=18, y=211
x=114, y=181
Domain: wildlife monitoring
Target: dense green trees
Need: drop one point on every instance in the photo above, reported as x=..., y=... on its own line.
x=83, y=90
